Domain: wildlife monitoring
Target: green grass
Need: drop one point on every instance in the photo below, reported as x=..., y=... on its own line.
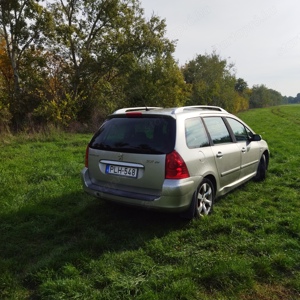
x=58, y=243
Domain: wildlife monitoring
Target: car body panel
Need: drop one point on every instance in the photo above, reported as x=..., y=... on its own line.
x=228, y=160
x=250, y=155
x=175, y=195
x=145, y=164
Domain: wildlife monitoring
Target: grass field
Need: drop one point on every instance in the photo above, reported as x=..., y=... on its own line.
x=58, y=243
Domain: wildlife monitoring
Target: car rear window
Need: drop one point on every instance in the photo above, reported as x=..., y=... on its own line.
x=152, y=135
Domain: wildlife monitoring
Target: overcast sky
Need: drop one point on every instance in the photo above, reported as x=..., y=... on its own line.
x=261, y=37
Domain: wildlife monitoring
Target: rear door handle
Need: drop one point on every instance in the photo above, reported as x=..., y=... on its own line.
x=219, y=154
x=244, y=150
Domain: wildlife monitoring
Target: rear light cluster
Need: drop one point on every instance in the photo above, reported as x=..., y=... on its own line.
x=176, y=167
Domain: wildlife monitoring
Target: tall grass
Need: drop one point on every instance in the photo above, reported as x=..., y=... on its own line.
x=58, y=243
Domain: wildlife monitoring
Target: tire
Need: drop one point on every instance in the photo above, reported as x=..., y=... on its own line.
x=261, y=169
x=204, y=198
x=202, y=201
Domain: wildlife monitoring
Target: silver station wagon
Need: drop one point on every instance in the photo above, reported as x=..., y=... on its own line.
x=172, y=159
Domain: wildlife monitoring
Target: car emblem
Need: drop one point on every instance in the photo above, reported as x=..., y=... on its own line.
x=120, y=156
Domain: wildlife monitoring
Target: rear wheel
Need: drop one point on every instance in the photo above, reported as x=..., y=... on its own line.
x=202, y=202
x=204, y=198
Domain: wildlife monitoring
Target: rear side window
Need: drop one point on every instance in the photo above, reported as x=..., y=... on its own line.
x=152, y=135
x=217, y=130
x=195, y=133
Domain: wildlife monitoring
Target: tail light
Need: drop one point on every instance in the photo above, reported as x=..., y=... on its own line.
x=86, y=161
x=176, y=167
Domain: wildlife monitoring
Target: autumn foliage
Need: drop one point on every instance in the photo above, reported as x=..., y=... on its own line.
x=62, y=64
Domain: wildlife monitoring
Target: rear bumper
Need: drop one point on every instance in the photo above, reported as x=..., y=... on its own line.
x=175, y=196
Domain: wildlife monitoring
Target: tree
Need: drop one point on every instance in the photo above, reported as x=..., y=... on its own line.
x=22, y=24
x=205, y=73
x=261, y=96
x=57, y=106
x=214, y=83
x=6, y=74
x=275, y=98
x=158, y=82
x=240, y=85
x=297, y=98
x=6, y=84
x=101, y=40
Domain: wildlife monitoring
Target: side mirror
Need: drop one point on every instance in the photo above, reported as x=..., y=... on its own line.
x=255, y=138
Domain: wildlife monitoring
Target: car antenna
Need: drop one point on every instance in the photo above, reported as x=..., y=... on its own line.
x=146, y=107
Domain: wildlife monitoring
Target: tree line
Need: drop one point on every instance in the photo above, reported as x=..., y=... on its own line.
x=69, y=63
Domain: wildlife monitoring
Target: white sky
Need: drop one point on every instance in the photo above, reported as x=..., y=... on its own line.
x=261, y=37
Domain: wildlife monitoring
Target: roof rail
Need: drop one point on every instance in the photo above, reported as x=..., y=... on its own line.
x=203, y=107
x=132, y=109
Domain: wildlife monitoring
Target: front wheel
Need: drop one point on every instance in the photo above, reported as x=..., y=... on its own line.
x=204, y=198
x=261, y=169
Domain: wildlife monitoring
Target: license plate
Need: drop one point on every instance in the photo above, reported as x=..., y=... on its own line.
x=121, y=170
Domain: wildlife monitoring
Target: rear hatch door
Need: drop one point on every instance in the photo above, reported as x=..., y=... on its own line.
x=128, y=153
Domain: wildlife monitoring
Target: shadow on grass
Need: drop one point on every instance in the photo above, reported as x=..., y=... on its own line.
x=74, y=229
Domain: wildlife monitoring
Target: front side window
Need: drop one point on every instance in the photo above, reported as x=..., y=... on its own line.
x=152, y=135
x=217, y=130
x=195, y=133
x=239, y=130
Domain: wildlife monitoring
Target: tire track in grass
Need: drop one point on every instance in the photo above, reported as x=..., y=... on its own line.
x=277, y=111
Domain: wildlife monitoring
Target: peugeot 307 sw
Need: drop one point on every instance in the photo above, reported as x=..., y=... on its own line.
x=172, y=159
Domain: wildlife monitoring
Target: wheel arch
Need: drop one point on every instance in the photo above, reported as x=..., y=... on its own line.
x=267, y=156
